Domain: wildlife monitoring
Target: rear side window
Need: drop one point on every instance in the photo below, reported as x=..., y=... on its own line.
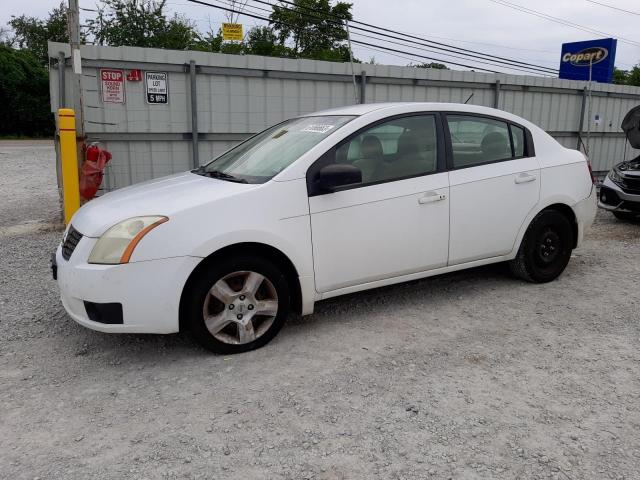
x=517, y=134
x=478, y=140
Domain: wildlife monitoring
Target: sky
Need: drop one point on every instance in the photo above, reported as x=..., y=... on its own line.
x=488, y=26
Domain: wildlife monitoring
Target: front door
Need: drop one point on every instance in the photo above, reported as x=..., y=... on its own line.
x=395, y=222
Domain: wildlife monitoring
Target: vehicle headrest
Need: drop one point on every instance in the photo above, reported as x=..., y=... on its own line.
x=408, y=143
x=371, y=147
x=495, y=145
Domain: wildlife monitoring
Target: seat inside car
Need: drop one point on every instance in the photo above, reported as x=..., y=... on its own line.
x=371, y=157
x=495, y=146
x=416, y=154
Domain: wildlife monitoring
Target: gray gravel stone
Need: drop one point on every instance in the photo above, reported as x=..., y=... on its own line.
x=553, y=372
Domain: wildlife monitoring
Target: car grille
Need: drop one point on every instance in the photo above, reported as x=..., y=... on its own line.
x=631, y=185
x=70, y=242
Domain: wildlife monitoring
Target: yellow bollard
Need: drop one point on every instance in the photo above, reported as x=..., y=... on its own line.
x=69, y=160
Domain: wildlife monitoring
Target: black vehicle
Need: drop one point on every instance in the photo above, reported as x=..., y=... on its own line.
x=620, y=191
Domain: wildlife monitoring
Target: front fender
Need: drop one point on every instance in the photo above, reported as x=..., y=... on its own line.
x=299, y=252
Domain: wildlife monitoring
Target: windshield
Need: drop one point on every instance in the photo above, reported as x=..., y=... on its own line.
x=263, y=156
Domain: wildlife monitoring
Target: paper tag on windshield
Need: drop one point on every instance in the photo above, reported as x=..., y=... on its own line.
x=317, y=128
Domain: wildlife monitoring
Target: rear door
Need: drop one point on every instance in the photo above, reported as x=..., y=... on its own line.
x=494, y=183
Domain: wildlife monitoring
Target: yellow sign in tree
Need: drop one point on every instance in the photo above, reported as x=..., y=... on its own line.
x=232, y=31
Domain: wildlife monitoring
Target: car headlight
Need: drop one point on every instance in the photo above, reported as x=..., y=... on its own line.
x=615, y=176
x=117, y=244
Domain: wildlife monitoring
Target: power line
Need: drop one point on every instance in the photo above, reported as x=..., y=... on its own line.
x=429, y=50
x=414, y=35
x=200, y=2
x=429, y=43
x=613, y=8
x=439, y=60
x=561, y=21
x=517, y=68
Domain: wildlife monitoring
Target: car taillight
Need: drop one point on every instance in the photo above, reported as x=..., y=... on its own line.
x=593, y=177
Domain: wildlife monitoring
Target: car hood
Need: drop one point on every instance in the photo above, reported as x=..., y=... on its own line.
x=630, y=168
x=631, y=126
x=163, y=196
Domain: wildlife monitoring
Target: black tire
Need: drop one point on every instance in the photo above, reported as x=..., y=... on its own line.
x=545, y=249
x=626, y=216
x=202, y=284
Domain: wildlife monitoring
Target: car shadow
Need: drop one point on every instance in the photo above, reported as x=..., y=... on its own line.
x=152, y=348
x=438, y=286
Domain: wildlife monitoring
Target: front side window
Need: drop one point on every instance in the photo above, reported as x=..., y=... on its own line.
x=477, y=140
x=263, y=156
x=399, y=148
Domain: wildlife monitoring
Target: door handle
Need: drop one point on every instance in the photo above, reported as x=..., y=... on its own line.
x=524, y=178
x=431, y=197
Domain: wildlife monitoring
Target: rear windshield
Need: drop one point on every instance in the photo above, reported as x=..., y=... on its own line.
x=266, y=154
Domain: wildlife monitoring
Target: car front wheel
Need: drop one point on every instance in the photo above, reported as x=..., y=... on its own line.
x=545, y=249
x=238, y=305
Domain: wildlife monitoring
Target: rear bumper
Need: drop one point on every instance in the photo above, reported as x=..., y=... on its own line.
x=585, y=211
x=614, y=199
x=149, y=292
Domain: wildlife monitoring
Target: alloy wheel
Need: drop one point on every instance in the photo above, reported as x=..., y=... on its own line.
x=240, y=307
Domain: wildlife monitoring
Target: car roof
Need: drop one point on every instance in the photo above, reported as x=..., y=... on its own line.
x=392, y=108
x=363, y=109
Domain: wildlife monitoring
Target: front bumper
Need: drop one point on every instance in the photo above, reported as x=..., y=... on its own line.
x=614, y=199
x=148, y=291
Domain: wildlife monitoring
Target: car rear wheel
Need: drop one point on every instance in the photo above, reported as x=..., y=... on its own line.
x=238, y=305
x=545, y=249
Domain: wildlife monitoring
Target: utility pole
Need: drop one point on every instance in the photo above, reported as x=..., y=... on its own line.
x=589, y=109
x=353, y=72
x=73, y=21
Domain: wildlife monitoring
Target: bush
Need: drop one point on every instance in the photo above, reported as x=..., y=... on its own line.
x=24, y=95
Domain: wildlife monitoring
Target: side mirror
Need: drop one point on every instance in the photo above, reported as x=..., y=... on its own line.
x=333, y=176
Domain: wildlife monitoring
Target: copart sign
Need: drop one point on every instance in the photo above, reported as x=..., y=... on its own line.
x=594, y=58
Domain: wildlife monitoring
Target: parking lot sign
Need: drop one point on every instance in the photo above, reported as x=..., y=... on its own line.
x=157, y=87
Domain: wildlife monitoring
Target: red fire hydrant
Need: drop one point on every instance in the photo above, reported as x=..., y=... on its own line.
x=92, y=171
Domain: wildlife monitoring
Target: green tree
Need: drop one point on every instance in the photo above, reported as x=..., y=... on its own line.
x=32, y=33
x=312, y=29
x=620, y=76
x=633, y=76
x=5, y=39
x=141, y=23
x=263, y=41
x=210, y=42
x=627, y=77
x=437, y=66
x=24, y=94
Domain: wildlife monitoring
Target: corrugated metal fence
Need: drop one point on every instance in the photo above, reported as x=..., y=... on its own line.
x=235, y=96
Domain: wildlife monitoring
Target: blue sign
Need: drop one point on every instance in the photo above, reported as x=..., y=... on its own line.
x=596, y=55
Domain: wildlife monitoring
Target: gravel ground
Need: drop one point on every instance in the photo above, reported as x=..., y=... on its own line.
x=473, y=375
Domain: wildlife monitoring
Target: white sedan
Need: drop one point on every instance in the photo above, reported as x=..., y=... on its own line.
x=323, y=205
